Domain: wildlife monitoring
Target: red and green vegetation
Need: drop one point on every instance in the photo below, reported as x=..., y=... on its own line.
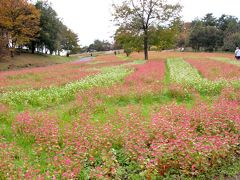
x=176, y=116
x=216, y=70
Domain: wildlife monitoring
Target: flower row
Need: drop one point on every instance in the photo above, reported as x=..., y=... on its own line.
x=214, y=70
x=56, y=95
x=190, y=141
x=183, y=73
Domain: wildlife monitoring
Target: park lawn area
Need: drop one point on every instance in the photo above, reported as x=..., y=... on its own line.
x=176, y=116
x=33, y=60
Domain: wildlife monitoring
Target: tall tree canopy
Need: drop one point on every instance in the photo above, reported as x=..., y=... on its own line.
x=19, y=22
x=164, y=37
x=207, y=37
x=211, y=33
x=50, y=27
x=69, y=40
x=128, y=39
x=54, y=36
x=23, y=24
x=140, y=15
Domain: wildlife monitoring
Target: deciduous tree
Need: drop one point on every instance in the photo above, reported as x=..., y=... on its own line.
x=99, y=45
x=128, y=39
x=54, y=36
x=139, y=15
x=49, y=24
x=19, y=20
x=69, y=40
x=206, y=37
x=164, y=37
x=232, y=41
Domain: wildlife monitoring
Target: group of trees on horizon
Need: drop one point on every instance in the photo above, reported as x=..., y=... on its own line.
x=35, y=27
x=157, y=25
x=211, y=34
x=142, y=25
x=206, y=34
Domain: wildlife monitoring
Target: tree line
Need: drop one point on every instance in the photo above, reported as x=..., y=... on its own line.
x=141, y=25
x=157, y=25
x=211, y=34
x=33, y=27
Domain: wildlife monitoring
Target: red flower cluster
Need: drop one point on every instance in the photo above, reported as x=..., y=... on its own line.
x=188, y=140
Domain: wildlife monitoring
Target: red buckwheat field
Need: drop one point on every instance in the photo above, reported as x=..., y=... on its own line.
x=110, y=118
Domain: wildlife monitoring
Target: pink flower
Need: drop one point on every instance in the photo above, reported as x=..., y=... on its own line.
x=68, y=162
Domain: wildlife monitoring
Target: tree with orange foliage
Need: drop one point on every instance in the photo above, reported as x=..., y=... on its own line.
x=19, y=22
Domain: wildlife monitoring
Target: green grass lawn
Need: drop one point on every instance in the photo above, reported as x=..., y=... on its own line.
x=33, y=60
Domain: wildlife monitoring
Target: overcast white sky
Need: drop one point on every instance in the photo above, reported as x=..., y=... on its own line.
x=90, y=19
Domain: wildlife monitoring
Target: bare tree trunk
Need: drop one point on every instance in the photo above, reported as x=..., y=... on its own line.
x=33, y=47
x=146, y=44
x=12, y=53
